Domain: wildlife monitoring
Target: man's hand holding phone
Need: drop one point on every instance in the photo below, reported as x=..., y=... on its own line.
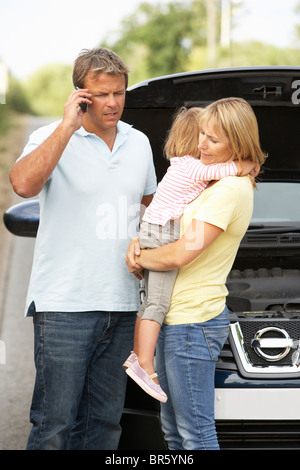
x=73, y=114
x=85, y=100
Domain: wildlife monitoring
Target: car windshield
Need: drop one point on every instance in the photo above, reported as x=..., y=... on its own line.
x=276, y=203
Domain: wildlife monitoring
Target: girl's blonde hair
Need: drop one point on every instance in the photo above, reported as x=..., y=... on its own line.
x=183, y=137
x=235, y=118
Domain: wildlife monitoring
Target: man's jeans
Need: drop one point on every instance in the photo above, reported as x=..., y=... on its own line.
x=80, y=383
x=186, y=358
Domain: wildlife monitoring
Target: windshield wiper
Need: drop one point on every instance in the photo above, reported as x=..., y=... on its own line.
x=273, y=229
x=255, y=226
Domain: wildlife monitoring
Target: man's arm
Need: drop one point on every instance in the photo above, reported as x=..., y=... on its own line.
x=29, y=175
x=174, y=255
x=146, y=200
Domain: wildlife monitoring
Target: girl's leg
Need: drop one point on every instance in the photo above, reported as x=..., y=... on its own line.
x=136, y=336
x=158, y=287
x=159, y=291
x=147, y=339
x=140, y=315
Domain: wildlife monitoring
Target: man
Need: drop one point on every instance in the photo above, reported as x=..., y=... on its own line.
x=91, y=172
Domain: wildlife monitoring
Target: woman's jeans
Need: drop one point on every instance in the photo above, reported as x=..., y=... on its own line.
x=80, y=383
x=186, y=359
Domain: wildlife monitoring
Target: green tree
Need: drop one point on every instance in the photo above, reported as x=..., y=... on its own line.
x=158, y=39
x=48, y=89
x=15, y=101
x=16, y=97
x=297, y=11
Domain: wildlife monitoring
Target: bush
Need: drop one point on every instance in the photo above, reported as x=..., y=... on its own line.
x=47, y=89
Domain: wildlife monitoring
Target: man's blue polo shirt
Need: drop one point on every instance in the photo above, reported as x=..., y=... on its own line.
x=89, y=211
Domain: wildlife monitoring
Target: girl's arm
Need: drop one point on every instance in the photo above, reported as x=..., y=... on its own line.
x=212, y=172
x=221, y=170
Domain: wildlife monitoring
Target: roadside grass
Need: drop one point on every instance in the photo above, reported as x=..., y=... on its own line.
x=12, y=132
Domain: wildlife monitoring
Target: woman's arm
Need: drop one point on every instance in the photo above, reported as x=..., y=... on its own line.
x=196, y=239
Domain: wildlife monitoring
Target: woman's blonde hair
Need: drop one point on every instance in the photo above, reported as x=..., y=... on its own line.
x=183, y=137
x=235, y=118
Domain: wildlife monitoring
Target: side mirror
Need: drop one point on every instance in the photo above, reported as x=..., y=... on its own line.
x=23, y=218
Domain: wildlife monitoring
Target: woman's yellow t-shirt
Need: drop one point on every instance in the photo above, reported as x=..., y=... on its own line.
x=199, y=292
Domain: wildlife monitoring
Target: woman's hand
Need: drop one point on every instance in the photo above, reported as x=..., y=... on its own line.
x=196, y=239
x=133, y=252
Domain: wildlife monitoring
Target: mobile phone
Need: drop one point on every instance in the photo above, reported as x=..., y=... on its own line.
x=83, y=106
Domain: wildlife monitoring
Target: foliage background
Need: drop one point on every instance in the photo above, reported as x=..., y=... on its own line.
x=158, y=39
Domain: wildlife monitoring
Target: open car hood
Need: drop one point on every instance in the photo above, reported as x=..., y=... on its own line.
x=273, y=92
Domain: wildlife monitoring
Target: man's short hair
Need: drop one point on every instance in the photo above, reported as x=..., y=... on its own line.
x=99, y=60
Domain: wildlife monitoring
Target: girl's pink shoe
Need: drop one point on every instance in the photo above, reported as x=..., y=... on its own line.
x=130, y=360
x=145, y=381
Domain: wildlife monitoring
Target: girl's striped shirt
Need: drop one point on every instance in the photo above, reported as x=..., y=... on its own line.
x=185, y=179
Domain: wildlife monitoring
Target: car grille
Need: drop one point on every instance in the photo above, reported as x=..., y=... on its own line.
x=249, y=328
x=269, y=240
x=256, y=435
x=240, y=354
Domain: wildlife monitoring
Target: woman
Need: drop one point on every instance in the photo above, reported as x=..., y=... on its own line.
x=185, y=179
x=196, y=326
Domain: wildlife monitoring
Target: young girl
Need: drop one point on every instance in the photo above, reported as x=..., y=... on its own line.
x=185, y=179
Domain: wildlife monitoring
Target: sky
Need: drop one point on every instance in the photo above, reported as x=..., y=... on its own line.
x=34, y=33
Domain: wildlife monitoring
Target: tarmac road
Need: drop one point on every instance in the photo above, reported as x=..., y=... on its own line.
x=16, y=336
x=17, y=373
